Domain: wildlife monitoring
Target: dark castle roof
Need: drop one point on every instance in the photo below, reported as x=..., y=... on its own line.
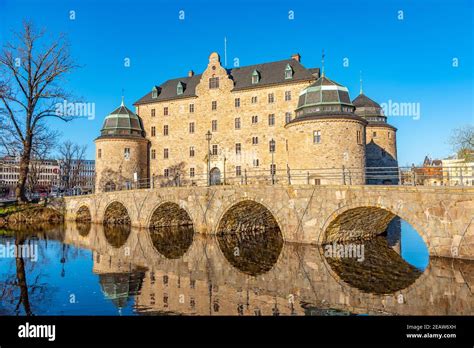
x=270, y=74
x=363, y=101
x=324, y=91
x=122, y=122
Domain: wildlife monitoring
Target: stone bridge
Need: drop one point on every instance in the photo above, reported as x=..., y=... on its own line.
x=443, y=216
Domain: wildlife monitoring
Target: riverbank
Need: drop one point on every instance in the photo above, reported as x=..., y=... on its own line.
x=29, y=214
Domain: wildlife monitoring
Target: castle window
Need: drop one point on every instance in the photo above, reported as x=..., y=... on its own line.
x=287, y=117
x=272, y=169
x=271, y=98
x=256, y=162
x=126, y=153
x=359, y=138
x=154, y=93
x=214, y=150
x=214, y=105
x=99, y=153
x=214, y=82
x=214, y=125
x=317, y=137
x=180, y=88
x=255, y=77
x=254, y=140
x=191, y=172
x=191, y=108
x=165, y=111
x=165, y=153
x=238, y=171
x=166, y=172
x=271, y=119
x=374, y=134
x=191, y=127
x=254, y=100
x=254, y=119
x=152, y=112
x=237, y=102
x=389, y=135
x=272, y=146
x=238, y=148
x=288, y=72
x=287, y=95
x=153, y=131
x=237, y=123
x=165, y=130
x=191, y=151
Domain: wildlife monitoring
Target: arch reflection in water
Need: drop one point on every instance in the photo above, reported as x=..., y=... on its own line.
x=171, y=230
x=83, y=228
x=380, y=270
x=172, y=241
x=117, y=235
x=250, y=238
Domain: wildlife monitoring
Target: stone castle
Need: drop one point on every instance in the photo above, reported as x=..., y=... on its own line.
x=277, y=121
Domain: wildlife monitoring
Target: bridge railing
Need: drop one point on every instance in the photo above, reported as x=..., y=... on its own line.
x=413, y=176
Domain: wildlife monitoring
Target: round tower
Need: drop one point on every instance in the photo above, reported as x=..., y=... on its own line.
x=326, y=139
x=381, y=142
x=121, y=151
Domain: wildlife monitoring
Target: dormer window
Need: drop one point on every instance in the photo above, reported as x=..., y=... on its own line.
x=180, y=88
x=255, y=77
x=154, y=92
x=288, y=72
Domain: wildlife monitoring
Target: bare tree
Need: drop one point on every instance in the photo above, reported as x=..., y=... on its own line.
x=44, y=143
x=30, y=73
x=462, y=140
x=72, y=160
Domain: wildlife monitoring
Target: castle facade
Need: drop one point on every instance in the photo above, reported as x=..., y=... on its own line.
x=277, y=121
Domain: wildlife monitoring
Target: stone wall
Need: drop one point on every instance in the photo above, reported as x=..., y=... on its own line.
x=338, y=148
x=114, y=168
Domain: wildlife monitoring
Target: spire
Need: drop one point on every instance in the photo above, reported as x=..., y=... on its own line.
x=361, y=90
x=322, y=64
x=122, y=104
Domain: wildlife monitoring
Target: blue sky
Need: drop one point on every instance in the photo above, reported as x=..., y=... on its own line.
x=407, y=60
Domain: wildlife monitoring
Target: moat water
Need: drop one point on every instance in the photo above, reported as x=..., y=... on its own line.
x=89, y=269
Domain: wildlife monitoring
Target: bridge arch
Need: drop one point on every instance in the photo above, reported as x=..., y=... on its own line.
x=249, y=237
x=83, y=214
x=251, y=214
x=168, y=213
x=116, y=213
x=363, y=220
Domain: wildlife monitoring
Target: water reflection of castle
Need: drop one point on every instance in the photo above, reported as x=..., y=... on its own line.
x=302, y=281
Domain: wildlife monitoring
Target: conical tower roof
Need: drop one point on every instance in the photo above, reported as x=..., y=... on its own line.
x=363, y=101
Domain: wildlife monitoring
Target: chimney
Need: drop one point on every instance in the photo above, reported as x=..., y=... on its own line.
x=190, y=73
x=296, y=57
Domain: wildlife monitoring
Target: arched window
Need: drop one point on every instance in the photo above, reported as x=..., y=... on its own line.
x=255, y=77
x=288, y=72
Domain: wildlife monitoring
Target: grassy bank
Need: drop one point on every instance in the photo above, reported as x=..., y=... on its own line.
x=28, y=214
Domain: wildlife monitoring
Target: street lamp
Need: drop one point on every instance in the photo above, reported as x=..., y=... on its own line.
x=208, y=138
x=272, y=169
